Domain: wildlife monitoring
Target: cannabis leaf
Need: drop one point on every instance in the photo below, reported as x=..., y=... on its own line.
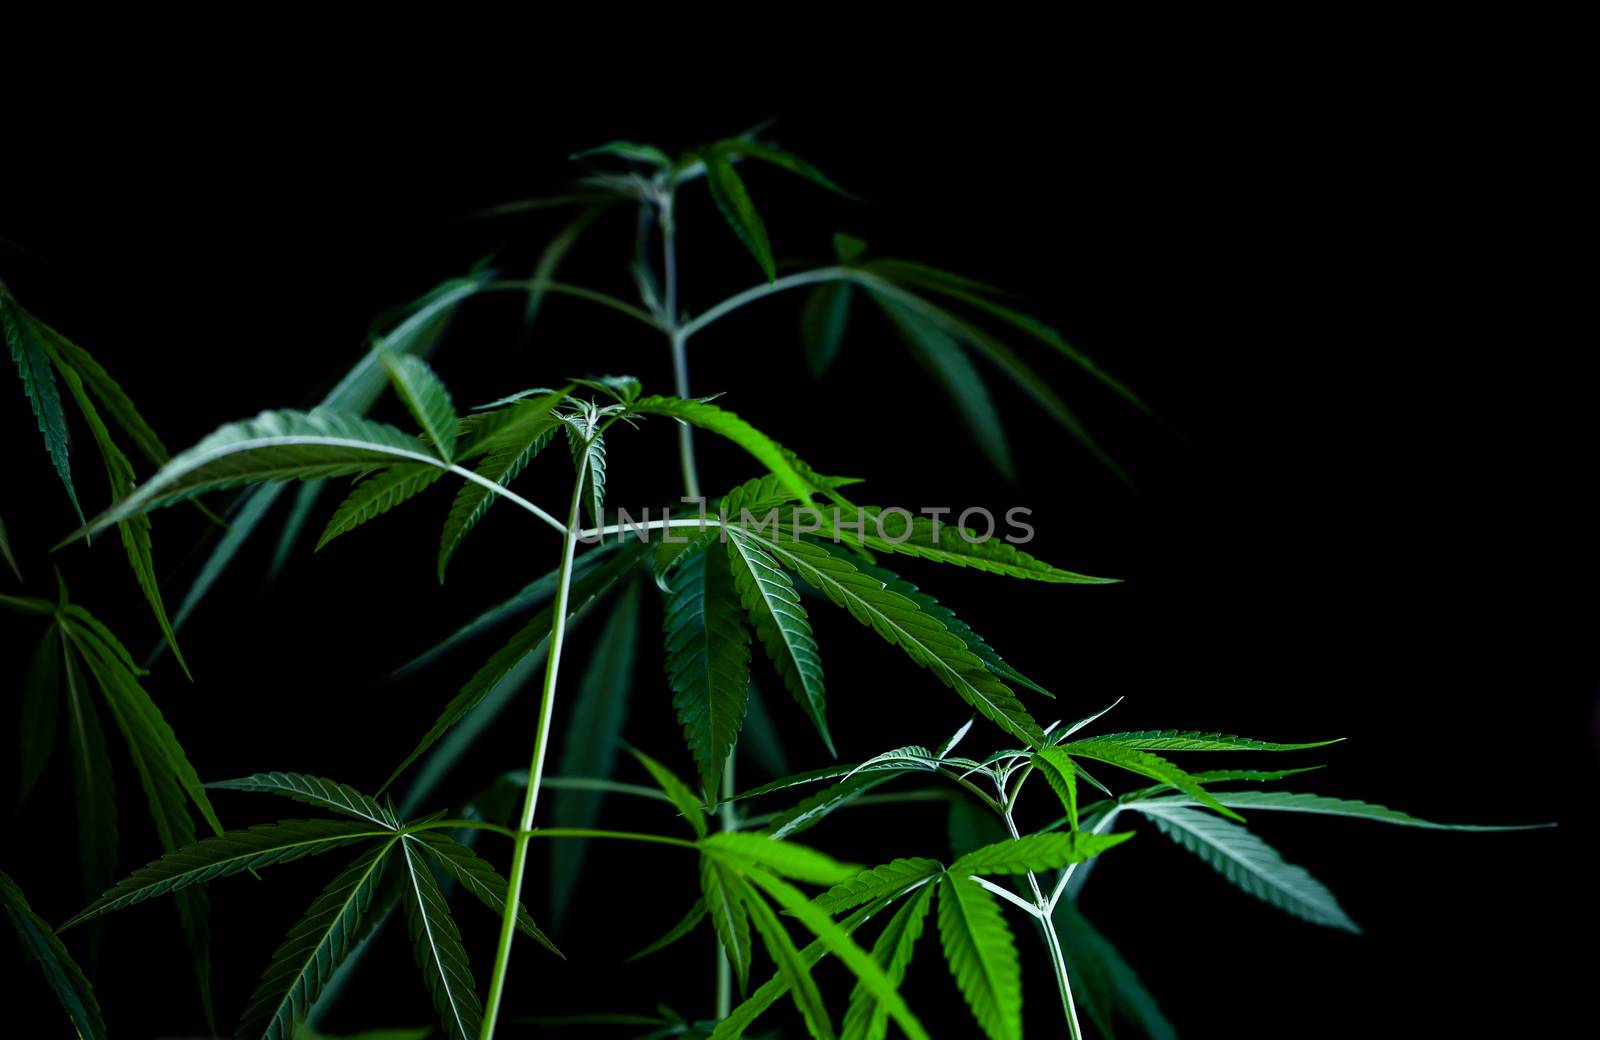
x=982, y=956
x=799, y=478
x=313, y=949
x=897, y=619
x=419, y=325
x=1250, y=863
x=66, y=979
x=708, y=661
x=314, y=790
x=377, y=494
x=425, y=398
x=866, y=1018
x=436, y=945
x=733, y=199
x=39, y=384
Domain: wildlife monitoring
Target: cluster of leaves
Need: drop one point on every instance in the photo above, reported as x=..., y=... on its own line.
x=727, y=576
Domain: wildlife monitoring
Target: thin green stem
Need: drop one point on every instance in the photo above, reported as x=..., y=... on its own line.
x=1058, y=962
x=759, y=292
x=578, y=291
x=730, y=822
x=511, y=496
x=548, y=832
x=519, y=851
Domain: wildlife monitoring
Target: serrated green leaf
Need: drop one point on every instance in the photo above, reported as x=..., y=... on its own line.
x=422, y=322
x=813, y=810
x=947, y=543
x=66, y=979
x=729, y=917
x=135, y=531
x=942, y=356
x=982, y=956
x=685, y=925
x=589, y=459
x=479, y=877
x=1250, y=863
x=39, y=384
x=925, y=639
x=436, y=946
x=376, y=495
x=1043, y=333
x=1285, y=801
x=1146, y=764
x=708, y=662
x=823, y=322
x=746, y=148
x=888, y=881
x=782, y=625
x=768, y=993
x=113, y=668
x=116, y=402
x=589, y=748
x=676, y=790
x=799, y=478
x=933, y=608
x=316, y=946
x=733, y=199
x=629, y=150
x=866, y=1019
x=1062, y=776
x=792, y=968
x=502, y=465
x=282, y=445
x=1107, y=985
x=784, y=858
x=314, y=790
x=225, y=855
x=1036, y=852
x=1188, y=740
x=425, y=397
x=165, y=776
x=838, y=942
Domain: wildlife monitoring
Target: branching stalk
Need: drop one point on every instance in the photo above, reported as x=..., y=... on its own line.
x=519, y=851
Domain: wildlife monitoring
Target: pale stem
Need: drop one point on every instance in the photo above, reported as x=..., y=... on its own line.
x=1052, y=941
x=519, y=849
x=751, y=295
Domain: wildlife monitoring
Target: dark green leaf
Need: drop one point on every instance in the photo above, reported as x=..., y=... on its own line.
x=899, y=620
x=1036, y=852
x=792, y=968
x=676, y=790
x=708, y=662
x=1146, y=764
x=1250, y=863
x=982, y=956
x=733, y=199
x=781, y=623
x=314, y=790
x=66, y=979
x=376, y=495
x=685, y=925
x=728, y=915
x=1106, y=983
x=436, y=944
x=39, y=384
x=227, y=854
x=866, y=1019
x=886, y=882
x=478, y=877
x=313, y=949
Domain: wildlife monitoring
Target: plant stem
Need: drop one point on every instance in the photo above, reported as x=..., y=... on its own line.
x=1046, y=922
x=730, y=822
x=519, y=851
x=793, y=281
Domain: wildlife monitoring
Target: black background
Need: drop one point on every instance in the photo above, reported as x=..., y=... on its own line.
x=1363, y=520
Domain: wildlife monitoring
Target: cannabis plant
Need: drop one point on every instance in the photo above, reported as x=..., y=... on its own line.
x=744, y=567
